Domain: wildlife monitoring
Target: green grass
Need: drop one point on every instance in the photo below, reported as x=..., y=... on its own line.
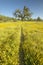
x=21, y=43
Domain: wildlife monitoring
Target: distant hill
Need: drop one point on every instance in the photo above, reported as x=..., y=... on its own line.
x=5, y=18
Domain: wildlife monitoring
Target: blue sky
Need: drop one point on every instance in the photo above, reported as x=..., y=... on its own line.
x=7, y=7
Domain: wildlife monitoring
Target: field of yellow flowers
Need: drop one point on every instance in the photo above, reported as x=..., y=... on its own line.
x=21, y=43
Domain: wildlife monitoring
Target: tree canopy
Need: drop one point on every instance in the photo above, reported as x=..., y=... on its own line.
x=23, y=14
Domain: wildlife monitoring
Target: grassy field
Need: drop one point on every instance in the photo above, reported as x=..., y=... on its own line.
x=21, y=43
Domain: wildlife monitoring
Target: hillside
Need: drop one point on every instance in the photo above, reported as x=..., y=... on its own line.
x=6, y=19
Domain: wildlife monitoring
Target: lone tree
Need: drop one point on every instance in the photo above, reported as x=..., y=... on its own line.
x=39, y=19
x=24, y=14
